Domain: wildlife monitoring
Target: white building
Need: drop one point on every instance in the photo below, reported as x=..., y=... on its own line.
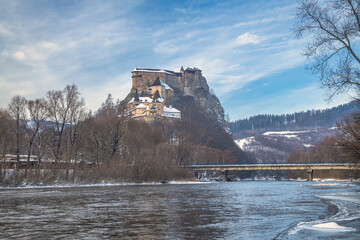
x=171, y=112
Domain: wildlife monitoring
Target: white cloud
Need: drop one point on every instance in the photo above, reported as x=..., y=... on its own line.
x=247, y=38
x=95, y=43
x=254, y=22
x=4, y=31
x=49, y=45
x=167, y=48
x=5, y=53
x=19, y=55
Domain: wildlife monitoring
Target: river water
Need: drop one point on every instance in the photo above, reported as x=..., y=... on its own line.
x=238, y=210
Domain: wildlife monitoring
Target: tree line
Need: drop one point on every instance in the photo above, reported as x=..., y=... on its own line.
x=74, y=145
x=298, y=120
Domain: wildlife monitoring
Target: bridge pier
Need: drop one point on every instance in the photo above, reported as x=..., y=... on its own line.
x=225, y=175
x=310, y=175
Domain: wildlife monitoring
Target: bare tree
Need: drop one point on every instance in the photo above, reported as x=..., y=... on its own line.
x=17, y=110
x=60, y=105
x=74, y=131
x=5, y=135
x=333, y=29
x=38, y=114
x=349, y=138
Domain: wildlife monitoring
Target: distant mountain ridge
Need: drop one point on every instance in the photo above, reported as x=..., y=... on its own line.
x=271, y=138
x=295, y=121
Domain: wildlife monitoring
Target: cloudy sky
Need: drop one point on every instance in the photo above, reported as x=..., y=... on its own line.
x=246, y=49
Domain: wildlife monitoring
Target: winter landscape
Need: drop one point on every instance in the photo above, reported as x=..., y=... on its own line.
x=179, y=120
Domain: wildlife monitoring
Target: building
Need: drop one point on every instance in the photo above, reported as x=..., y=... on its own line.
x=152, y=100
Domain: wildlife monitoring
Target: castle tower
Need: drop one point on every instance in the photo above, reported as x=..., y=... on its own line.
x=158, y=86
x=182, y=71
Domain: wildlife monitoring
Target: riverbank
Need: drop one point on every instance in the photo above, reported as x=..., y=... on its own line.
x=318, y=183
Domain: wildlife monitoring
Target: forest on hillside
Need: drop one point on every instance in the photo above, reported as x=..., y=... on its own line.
x=295, y=121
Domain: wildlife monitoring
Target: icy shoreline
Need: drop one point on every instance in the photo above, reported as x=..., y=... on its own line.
x=317, y=182
x=346, y=211
x=103, y=184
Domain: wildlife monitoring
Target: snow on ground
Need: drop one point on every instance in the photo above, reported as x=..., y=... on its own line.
x=332, y=226
x=308, y=145
x=290, y=136
x=104, y=184
x=243, y=142
x=289, y=133
x=334, y=184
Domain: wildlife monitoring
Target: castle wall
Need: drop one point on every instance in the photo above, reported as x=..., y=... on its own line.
x=159, y=108
x=142, y=79
x=174, y=81
x=168, y=97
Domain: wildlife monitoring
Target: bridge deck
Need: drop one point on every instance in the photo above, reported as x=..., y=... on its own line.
x=274, y=166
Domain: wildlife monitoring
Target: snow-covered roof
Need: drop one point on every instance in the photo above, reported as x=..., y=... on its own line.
x=171, y=110
x=158, y=100
x=139, y=69
x=142, y=99
x=167, y=87
x=145, y=99
x=158, y=82
x=141, y=106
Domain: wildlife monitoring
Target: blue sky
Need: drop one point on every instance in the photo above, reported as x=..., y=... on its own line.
x=246, y=49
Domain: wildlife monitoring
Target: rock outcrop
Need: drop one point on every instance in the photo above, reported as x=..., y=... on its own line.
x=185, y=83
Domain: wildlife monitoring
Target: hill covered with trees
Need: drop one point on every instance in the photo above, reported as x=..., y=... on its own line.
x=300, y=120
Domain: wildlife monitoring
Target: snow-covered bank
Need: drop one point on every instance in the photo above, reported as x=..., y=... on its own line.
x=103, y=184
x=330, y=227
x=348, y=211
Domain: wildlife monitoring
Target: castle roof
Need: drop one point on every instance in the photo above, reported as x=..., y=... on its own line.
x=192, y=70
x=171, y=110
x=141, y=99
x=158, y=82
x=141, y=106
x=155, y=70
x=167, y=87
x=156, y=95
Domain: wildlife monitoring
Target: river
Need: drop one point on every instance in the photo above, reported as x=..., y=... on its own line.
x=237, y=210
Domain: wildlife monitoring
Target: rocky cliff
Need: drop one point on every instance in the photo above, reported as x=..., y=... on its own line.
x=185, y=83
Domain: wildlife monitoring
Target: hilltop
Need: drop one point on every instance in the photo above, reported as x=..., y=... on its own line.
x=184, y=101
x=271, y=138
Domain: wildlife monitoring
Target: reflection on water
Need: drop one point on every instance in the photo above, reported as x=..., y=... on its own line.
x=243, y=210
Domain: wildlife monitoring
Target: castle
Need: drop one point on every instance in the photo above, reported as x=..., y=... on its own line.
x=152, y=96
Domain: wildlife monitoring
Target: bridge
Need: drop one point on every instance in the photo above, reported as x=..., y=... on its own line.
x=309, y=167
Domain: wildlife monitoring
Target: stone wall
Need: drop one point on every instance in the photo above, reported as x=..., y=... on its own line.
x=142, y=80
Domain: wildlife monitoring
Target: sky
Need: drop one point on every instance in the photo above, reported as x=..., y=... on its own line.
x=246, y=50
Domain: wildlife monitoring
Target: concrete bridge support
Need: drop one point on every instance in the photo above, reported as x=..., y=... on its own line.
x=310, y=175
x=225, y=175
